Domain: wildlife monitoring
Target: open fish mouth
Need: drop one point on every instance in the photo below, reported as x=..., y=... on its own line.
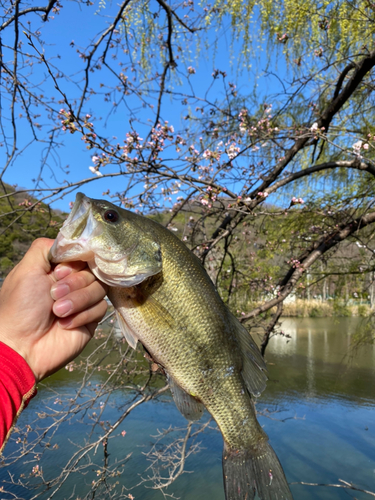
x=117, y=254
x=72, y=242
x=81, y=205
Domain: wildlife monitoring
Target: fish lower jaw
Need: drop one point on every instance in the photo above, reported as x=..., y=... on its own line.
x=66, y=250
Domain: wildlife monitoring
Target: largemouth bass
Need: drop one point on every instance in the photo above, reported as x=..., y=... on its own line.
x=164, y=299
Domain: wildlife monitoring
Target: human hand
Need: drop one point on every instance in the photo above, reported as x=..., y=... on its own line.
x=49, y=315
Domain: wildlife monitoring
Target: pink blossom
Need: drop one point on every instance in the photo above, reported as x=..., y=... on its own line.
x=94, y=170
x=296, y=201
x=357, y=146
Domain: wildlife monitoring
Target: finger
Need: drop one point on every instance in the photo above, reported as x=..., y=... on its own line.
x=79, y=300
x=90, y=317
x=71, y=283
x=37, y=254
x=66, y=268
x=91, y=327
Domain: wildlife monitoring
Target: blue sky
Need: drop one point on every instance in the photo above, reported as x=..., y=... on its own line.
x=81, y=25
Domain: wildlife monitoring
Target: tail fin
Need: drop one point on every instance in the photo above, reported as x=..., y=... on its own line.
x=248, y=471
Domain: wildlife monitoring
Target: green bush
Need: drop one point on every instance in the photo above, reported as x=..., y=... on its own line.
x=5, y=265
x=341, y=310
x=316, y=312
x=363, y=310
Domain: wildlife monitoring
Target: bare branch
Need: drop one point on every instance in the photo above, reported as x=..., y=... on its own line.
x=356, y=164
x=46, y=11
x=345, y=485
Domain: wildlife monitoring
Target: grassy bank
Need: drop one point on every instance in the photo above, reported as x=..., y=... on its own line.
x=330, y=308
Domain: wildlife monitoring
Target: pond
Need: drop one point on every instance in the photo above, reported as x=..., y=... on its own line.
x=318, y=410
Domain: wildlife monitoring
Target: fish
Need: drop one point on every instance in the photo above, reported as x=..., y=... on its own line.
x=164, y=299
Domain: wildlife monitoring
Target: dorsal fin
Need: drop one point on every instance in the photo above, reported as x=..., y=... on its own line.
x=254, y=370
x=189, y=407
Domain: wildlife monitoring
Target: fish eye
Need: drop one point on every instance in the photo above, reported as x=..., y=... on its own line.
x=111, y=216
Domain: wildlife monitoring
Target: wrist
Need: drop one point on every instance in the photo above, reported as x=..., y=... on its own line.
x=22, y=369
x=16, y=347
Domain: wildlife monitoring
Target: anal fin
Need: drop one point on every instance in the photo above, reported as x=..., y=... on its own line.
x=189, y=407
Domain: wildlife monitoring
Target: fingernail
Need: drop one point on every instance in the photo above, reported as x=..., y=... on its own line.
x=59, y=290
x=63, y=308
x=61, y=272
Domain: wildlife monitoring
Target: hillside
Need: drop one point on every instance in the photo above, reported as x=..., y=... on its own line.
x=22, y=220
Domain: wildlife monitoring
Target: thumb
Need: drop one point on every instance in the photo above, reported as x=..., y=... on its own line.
x=37, y=255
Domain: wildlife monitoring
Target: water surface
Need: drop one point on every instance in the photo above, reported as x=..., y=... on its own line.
x=318, y=410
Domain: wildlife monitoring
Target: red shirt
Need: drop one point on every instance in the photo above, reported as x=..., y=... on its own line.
x=17, y=387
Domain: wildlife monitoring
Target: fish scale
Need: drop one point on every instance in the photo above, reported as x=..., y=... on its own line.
x=164, y=299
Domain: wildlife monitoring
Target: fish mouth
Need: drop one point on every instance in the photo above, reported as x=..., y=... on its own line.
x=78, y=229
x=81, y=205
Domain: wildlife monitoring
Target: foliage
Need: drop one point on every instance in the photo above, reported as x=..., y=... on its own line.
x=300, y=29
x=22, y=219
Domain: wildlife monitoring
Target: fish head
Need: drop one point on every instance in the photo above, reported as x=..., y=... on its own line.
x=118, y=249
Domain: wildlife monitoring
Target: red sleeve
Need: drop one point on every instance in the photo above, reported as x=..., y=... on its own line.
x=17, y=387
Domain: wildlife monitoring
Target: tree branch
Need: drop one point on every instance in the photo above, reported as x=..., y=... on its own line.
x=95, y=47
x=46, y=11
x=356, y=164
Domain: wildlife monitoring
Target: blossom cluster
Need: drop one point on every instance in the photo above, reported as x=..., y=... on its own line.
x=68, y=121
x=210, y=197
x=296, y=201
x=36, y=471
x=232, y=150
x=99, y=161
x=159, y=135
x=262, y=127
x=357, y=146
x=25, y=203
x=295, y=263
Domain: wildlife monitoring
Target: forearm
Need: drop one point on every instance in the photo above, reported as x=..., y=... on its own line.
x=17, y=387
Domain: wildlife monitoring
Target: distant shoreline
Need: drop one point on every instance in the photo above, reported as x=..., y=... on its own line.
x=325, y=309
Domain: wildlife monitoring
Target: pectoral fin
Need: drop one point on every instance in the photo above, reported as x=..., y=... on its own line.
x=157, y=314
x=127, y=332
x=189, y=407
x=149, y=311
x=254, y=370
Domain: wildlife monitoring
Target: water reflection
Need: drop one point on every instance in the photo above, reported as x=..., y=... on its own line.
x=330, y=389
x=318, y=362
